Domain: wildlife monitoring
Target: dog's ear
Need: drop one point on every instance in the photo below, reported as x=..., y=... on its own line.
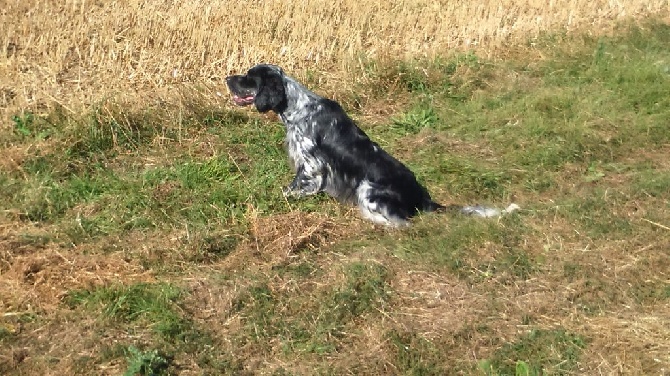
x=271, y=95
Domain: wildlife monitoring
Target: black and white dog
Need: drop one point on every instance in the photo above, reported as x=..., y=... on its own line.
x=329, y=153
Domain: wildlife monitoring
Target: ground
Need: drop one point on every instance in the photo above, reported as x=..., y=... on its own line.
x=131, y=243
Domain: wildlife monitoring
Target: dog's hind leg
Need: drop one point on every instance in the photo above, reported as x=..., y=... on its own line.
x=381, y=208
x=378, y=213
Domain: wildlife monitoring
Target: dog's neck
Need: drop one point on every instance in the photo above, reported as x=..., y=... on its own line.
x=298, y=99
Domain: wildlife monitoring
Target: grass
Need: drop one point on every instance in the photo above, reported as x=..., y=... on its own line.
x=134, y=304
x=537, y=353
x=313, y=324
x=416, y=355
x=145, y=363
x=157, y=241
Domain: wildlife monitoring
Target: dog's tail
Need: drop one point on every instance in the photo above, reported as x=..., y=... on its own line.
x=475, y=210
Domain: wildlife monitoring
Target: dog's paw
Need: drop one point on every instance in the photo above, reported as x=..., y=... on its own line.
x=292, y=192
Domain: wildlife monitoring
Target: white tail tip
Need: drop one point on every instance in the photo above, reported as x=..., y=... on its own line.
x=488, y=212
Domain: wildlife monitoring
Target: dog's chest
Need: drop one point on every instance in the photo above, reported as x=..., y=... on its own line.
x=300, y=148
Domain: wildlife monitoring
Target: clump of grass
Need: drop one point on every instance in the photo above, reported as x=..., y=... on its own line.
x=317, y=322
x=412, y=122
x=300, y=270
x=152, y=304
x=257, y=304
x=599, y=214
x=416, y=355
x=49, y=199
x=215, y=246
x=105, y=132
x=458, y=248
x=365, y=288
x=537, y=353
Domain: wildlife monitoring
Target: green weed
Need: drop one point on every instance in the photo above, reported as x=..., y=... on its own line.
x=149, y=363
x=29, y=126
x=414, y=121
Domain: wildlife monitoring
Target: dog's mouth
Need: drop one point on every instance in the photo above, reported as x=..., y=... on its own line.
x=243, y=100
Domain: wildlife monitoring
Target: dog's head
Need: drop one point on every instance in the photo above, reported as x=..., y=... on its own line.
x=263, y=85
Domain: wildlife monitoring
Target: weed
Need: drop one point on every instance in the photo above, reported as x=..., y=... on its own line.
x=149, y=363
x=22, y=124
x=30, y=126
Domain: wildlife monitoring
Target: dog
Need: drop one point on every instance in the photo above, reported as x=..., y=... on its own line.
x=330, y=153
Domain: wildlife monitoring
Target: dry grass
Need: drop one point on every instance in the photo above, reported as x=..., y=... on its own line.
x=76, y=52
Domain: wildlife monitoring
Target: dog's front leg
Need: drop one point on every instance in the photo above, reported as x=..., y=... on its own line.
x=304, y=184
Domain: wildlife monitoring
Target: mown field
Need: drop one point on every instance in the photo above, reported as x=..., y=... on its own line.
x=143, y=229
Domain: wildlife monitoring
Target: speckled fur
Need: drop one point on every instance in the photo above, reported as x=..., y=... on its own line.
x=330, y=153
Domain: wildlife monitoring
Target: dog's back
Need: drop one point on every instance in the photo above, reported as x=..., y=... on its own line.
x=359, y=170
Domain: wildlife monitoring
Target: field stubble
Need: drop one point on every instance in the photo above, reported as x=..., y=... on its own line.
x=76, y=53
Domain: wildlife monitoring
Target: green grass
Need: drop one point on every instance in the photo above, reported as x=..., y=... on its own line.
x=131, y=197
x=145, y=304
x=158, y=308
x=416, y=355
x=540, y=352
x=577, y=136
x=316, y=322
x=458, y=249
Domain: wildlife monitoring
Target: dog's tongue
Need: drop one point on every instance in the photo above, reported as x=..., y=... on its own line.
x=243, y=100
